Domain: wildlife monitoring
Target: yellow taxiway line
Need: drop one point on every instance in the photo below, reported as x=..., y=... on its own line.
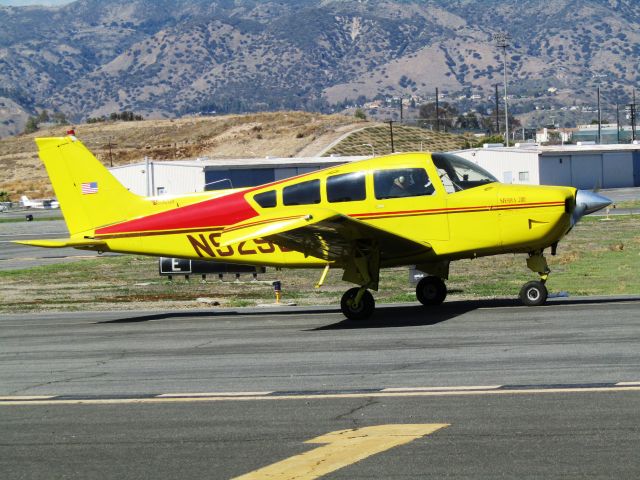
x=342, y=448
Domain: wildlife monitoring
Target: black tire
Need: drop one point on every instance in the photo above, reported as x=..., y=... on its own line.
x=534, y=294
x=431, y=291
x=364, y=309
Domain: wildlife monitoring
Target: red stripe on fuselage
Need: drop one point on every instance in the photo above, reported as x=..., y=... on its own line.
x=220, y=211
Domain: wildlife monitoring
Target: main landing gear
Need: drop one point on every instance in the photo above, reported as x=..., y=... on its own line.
x=362, y=268
x=357, y=303
x=431, y=291
x=535, y=293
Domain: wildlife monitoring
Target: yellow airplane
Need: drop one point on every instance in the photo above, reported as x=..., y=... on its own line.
x=423, y=209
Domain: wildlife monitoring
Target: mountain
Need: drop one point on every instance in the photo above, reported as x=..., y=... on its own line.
x=165, y=58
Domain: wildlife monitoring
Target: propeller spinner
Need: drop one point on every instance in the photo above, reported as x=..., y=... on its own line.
x=588, y=202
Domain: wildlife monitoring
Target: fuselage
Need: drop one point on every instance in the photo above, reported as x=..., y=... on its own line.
x=455, y=209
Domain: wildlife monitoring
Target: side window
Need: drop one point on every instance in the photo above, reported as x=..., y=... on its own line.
x=266, y=199
x=405, y=182
x=303, y=193
x=348, y=187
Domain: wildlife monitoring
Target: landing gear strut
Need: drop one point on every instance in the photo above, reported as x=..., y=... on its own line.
x=357, y=303
x=535, y=293
x=362, y=268
x=431, y=291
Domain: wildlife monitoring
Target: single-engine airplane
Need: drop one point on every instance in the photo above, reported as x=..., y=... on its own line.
x=45, y=204
x=422, y=209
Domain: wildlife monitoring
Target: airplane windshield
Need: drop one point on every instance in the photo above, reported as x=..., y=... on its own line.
x=458, y=174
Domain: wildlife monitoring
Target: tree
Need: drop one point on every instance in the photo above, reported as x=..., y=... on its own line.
x=31, y=126
x=489, y=139
x=59, y=117
x=360, y=114
x=447, y=114
x=468, y=121
x=43, y=116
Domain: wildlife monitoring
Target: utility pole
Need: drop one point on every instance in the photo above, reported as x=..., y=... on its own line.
x=110, y=153
x=618, y=121
x=502, y=41
x=599, y=119
x=401, y=110
x=497, y=111
x=437, y=112
x=391, y=133
x=633, y=116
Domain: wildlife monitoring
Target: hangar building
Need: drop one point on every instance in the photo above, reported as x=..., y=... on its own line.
x=580, y=166
x=177, y=177
x=585, y=166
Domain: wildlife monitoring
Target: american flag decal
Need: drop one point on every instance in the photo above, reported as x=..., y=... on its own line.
x=89, y=187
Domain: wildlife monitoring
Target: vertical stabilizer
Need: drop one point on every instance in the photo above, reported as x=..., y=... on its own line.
x=89, y=195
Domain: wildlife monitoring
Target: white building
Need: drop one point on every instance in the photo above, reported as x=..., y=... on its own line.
x=188, y=176
x=586, y=167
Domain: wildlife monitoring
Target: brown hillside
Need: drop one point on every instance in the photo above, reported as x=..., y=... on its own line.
x=281, y=134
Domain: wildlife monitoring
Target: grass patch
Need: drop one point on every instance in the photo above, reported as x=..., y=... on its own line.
x=629, y=204
x=22, y=219
x=598, y=257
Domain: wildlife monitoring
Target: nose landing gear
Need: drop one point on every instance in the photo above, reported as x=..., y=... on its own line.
x=535, y=293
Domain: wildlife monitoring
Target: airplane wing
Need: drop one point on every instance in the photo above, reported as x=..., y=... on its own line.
x=322, y=233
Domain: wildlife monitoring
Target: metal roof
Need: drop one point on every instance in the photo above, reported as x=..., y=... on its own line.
x=238, y=163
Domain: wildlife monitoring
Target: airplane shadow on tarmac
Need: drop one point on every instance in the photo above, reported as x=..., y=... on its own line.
x=418, y=315
x=212, y=314
x=391, y=316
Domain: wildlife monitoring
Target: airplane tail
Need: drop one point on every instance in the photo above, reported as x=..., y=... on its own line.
x=25, y=201
x=88, y=194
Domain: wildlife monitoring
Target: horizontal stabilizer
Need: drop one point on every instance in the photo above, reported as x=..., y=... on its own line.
x=62, y=242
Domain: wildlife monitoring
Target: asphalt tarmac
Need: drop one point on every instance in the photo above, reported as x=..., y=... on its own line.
x=49, y=225
x=480, y=389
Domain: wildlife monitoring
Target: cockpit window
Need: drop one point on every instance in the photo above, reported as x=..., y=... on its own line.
x=459, y=174
x=304, y=193
x=348, y=187
x=266, y=199
x=402, y=182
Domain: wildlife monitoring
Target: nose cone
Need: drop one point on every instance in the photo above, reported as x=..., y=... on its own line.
x=591, y=201
x=588, y=202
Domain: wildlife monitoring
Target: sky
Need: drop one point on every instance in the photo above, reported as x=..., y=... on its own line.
x=20, y=3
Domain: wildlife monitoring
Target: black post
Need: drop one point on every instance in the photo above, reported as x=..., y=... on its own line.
x=391, y=133
x=497, y=112
x=437, y=112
